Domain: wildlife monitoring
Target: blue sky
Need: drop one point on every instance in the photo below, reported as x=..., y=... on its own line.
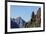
x=24, y=12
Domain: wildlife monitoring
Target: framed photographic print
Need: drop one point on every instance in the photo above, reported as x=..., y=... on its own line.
x=24, y=16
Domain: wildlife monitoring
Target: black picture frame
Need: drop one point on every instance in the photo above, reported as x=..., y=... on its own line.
x=24, y=2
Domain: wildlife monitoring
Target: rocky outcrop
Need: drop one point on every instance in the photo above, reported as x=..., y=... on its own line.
x=17, y=23
x=35, y=20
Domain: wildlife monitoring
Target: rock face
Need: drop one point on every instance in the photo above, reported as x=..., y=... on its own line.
x=38, y=18
x=14, y=24
x=17, y=23
x=35, y=20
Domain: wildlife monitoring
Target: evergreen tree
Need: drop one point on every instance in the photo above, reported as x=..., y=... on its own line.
x=33, y=14
x=33, y=19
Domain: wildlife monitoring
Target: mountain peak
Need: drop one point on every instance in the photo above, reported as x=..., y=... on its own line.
x=19, y=21
x=18, y=18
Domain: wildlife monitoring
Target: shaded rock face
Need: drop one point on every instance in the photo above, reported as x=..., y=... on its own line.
x=14, y=24
x=17, y=23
